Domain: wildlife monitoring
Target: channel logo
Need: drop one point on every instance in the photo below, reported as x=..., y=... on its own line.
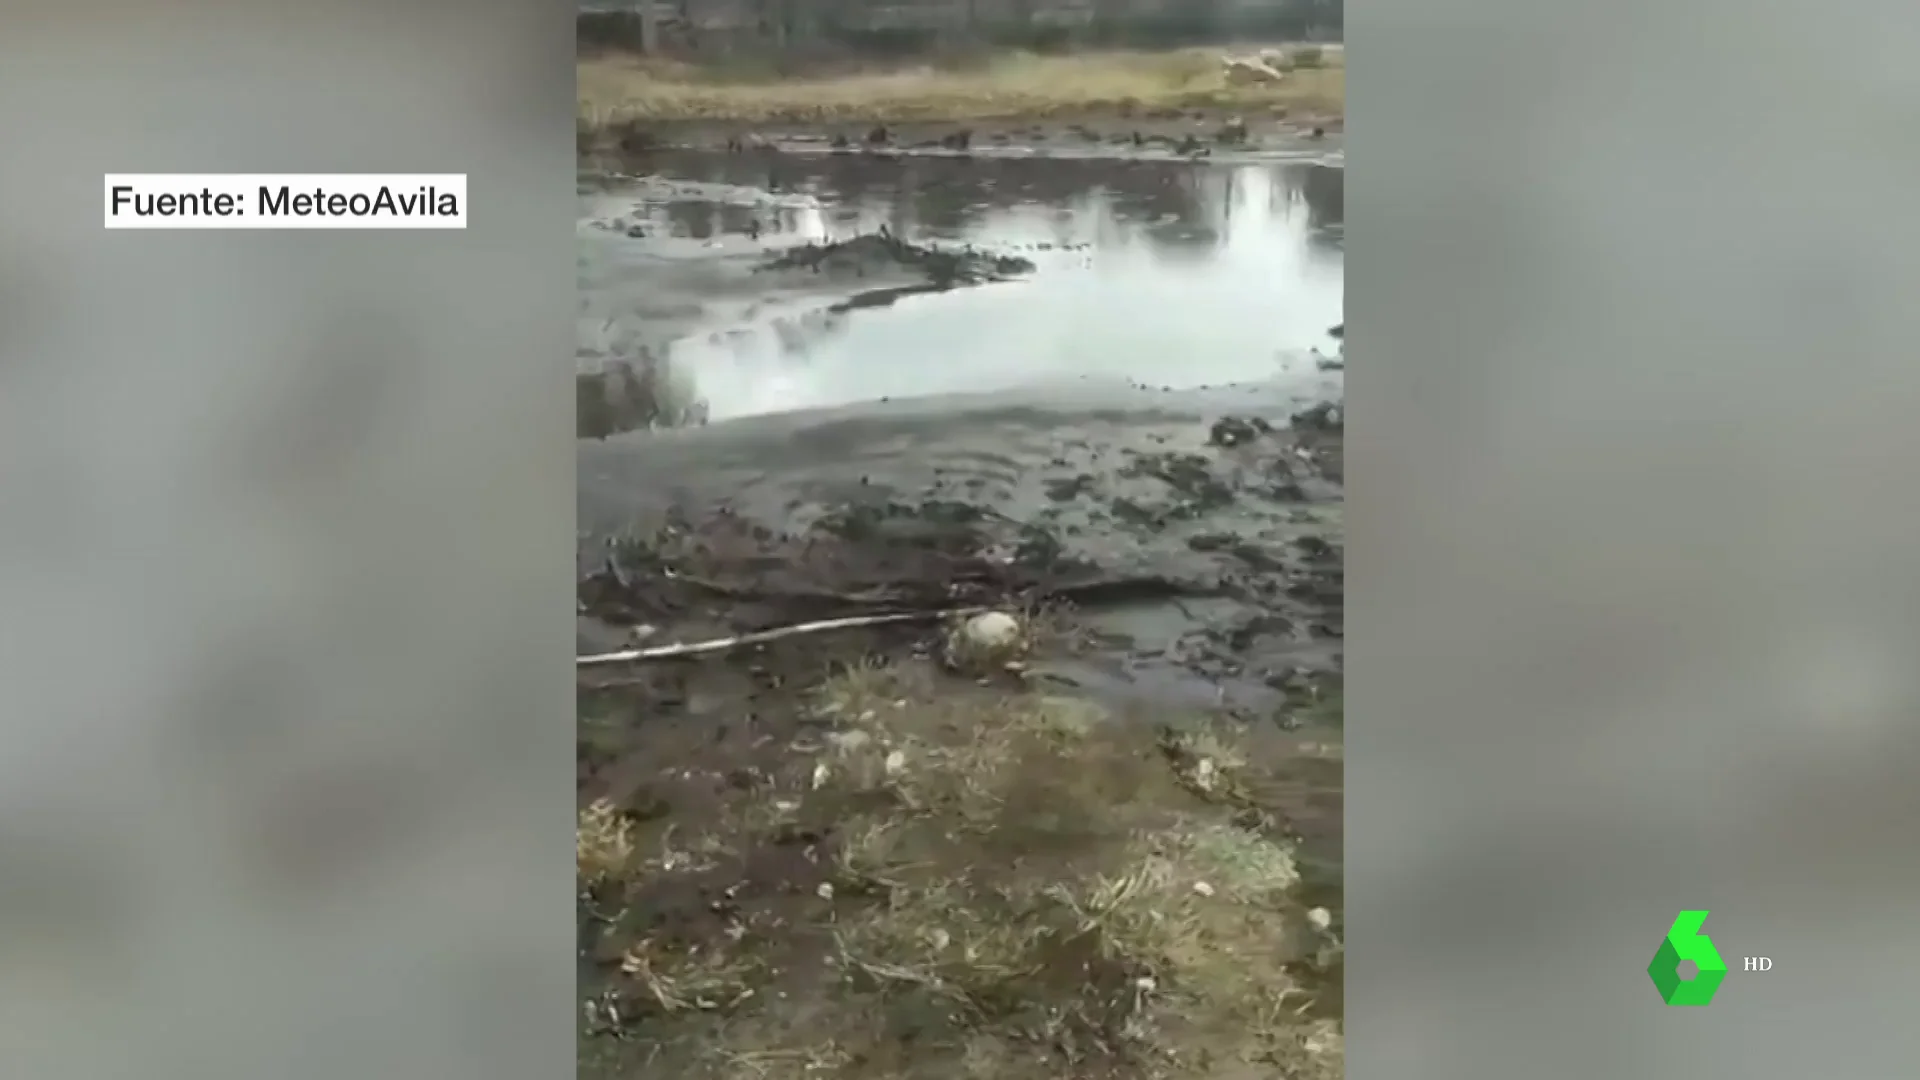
x=1687, y=970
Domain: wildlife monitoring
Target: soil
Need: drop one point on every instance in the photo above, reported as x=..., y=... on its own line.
x=726, y=575
x=672, y=745
x=1216, y=490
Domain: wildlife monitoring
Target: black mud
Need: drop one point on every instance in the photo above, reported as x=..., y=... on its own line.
x=1187, y=558
x=1204, y=553
x=1195, y=134
x=882, y=253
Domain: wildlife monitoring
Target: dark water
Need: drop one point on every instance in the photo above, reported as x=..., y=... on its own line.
x=1166, y=274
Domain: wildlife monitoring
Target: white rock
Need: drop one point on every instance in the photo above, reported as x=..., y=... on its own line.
x=1244, y=71
x=1320, y=917
x=991, y=631
x=850, y=740
x=1203, y=774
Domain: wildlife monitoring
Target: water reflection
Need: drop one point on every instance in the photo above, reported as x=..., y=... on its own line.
x=952, y=195
x=1160, y=273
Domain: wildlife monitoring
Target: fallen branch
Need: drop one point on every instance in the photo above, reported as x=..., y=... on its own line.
x=957, y=583
x=696, y=648
x=879, y=594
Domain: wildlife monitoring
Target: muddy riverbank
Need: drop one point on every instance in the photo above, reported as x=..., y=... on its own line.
x=1177, y=569
x=1094, y=400
x=1221, y=491
x=1171, y=134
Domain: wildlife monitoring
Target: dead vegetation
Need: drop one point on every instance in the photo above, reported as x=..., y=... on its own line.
x=603, y=845
x=621, y=89
x=961, y=881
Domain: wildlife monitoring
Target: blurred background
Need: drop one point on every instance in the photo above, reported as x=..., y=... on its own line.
x=1632, y=577
x=284, y=521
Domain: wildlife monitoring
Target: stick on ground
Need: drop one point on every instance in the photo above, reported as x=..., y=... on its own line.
x=696, y=648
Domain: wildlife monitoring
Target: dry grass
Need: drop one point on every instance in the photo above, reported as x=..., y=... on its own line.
x=603, y=844
x=1017, y=86
x=1007, y=886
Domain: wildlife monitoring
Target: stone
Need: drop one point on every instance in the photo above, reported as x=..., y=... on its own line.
x=1245, y=71
x=991, y=632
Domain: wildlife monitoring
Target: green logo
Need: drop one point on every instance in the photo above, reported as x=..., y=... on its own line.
x=1685, y=942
